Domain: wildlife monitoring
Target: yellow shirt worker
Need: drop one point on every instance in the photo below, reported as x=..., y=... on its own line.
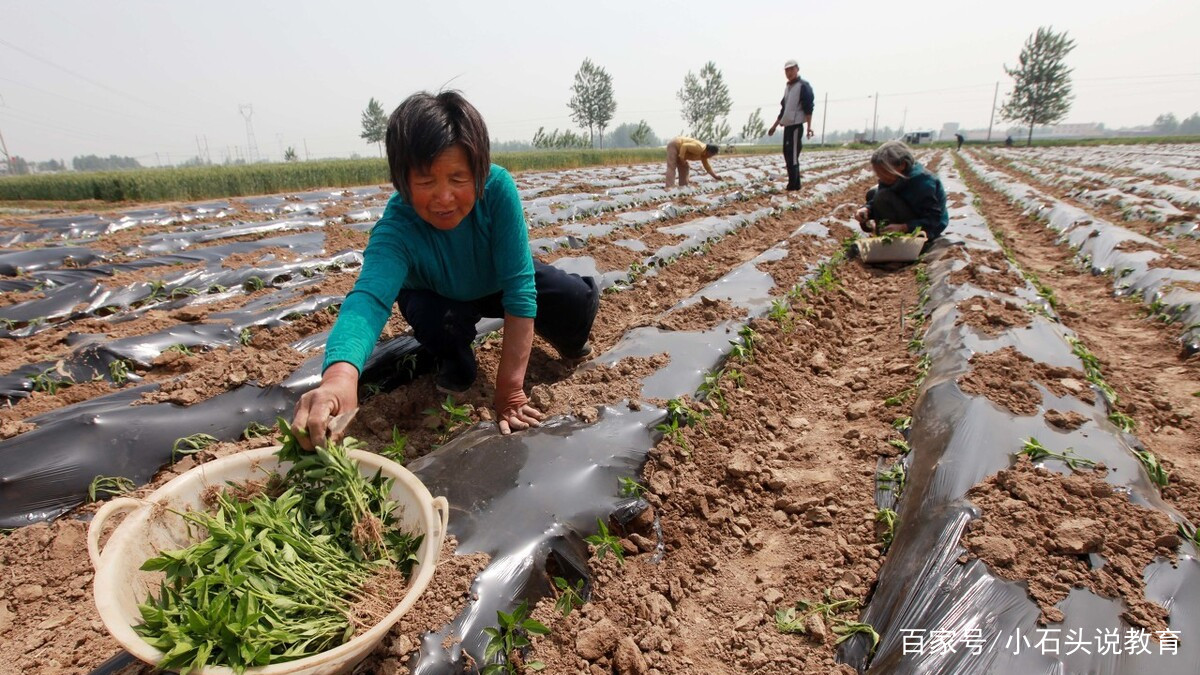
x=680, y=150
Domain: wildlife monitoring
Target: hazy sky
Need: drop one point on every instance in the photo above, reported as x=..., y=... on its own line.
x=147, y=78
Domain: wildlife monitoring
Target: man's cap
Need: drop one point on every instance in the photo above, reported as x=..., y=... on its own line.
x=790, y=63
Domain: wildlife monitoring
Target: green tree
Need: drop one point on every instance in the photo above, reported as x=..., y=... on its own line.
x=755, y=128
x=290, y=155
x=592, y=103
x=1042, y=81
x=374, y=124
x=642, y=134
x=1190, y=125
x=556, y=140
x=706, y=103
x=1166, y=124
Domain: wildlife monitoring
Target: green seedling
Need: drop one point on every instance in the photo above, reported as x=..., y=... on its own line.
x=900, y=398
x=183, y=292
x=254, y=284
x=888, y=518
x=672, y=430
x=711, y=390
x=1035, y=451
x=46, y=381
x=372, y=388
x=737, y=377
x=848, y=629
x=190, y=445
x=1154, y=469
x=740, y=352
x=451, y=416
x=256, y=430
x=245, y=337
x=408, y=363
x=511, y=635
x=901, y=445
x=630, y=488
x=157, y=290
x=902, y=423
x=1122, y=421
x=1091, y=368
x=893, y=478
x=181, y=349
x=118, y=370
x=749, y=337
x=108, y=486
x=216, y=288
x=395, y=450
x=793, y=619
x=781, y=313
x=922, y=275
x=679, y=411
x=569, y=596
x=293, y=316
x=1190, y=533
x=606, y=542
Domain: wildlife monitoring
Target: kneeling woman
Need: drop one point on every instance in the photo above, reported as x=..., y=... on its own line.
x=452, y=247
x=908, y=196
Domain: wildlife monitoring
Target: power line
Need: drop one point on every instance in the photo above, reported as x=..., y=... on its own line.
x=85, y=78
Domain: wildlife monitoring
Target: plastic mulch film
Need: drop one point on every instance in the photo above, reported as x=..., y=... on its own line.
x=986, y=624
x=1098, y=244
x=528, y=498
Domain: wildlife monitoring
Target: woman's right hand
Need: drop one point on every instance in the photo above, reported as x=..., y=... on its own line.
x=861, y=215
x=337, y=395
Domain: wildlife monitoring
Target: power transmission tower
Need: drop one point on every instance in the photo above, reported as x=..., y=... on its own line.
x=247, y=111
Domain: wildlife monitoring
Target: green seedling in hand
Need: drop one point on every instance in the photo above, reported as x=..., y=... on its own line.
x=569, y=596
x=605, y=542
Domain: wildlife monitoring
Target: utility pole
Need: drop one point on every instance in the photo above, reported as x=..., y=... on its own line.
x=824, y=116
x=247, y=111
x=903, y=121
x=306, y=149
x=993, y=115
x=7, y=158
x=4, y=146
x=875, y=123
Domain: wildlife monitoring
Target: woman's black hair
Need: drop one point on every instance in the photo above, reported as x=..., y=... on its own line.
x=711, y=149
x=425, y=125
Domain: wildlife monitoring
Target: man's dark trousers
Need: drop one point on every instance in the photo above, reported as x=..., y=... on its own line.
x=793, y=143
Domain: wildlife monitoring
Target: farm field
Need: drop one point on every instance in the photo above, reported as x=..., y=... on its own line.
x=984, y=462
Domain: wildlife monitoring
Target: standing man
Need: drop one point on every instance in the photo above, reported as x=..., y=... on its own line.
x=795, y=109
x=960, y=139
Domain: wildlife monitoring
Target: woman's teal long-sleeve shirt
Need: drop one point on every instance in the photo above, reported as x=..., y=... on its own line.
x=487, y=253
